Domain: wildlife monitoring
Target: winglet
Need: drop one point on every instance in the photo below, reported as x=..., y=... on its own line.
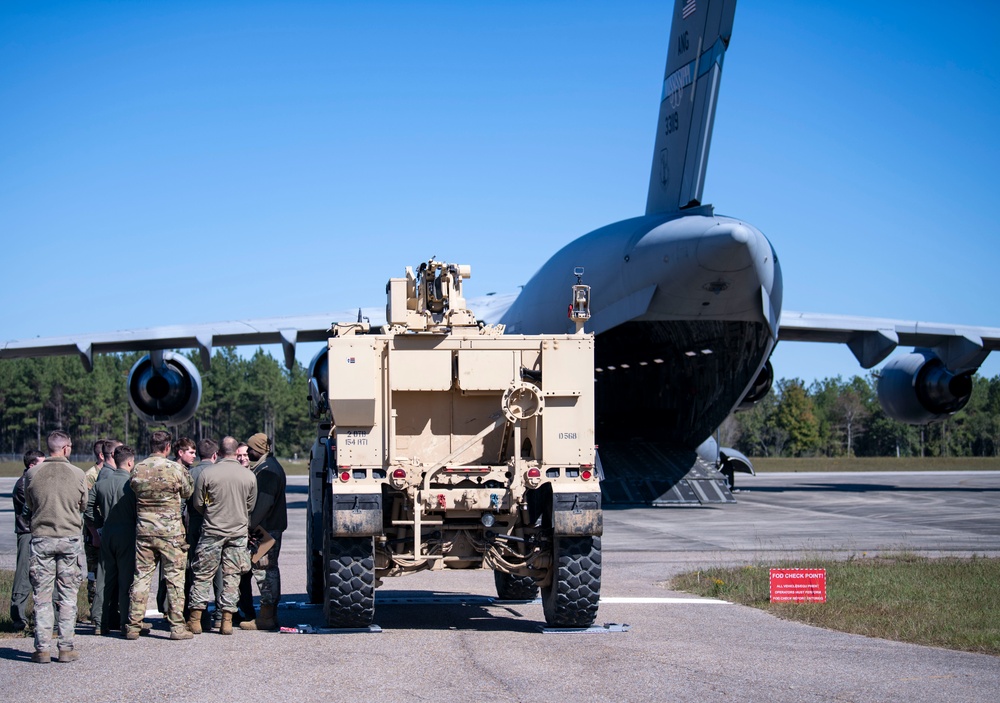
x=205, y=349
x=871, y=348
x=86, y=352
x=962, y=352
x=288, y=338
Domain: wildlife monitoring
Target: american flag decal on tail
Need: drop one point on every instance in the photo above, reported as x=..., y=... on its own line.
x=688, y=9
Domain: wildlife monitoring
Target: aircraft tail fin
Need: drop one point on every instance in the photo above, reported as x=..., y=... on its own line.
x=699, y=37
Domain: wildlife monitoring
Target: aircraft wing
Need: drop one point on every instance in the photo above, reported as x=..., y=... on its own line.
x=872, y=339
x=286, y=331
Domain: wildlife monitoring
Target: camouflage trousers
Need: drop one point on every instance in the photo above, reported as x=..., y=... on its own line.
x=212, y=553
x=55, y=565
x=171, y=552
x=267, y=576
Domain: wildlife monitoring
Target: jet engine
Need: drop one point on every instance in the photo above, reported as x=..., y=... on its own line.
x=164, y=387
x=760, y=387
x=917, y=388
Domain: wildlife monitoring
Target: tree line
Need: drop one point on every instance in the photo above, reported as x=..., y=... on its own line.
x=834, y=417
x=240, y=396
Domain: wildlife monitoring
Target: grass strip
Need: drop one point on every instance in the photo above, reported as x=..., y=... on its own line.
x=874, y=463
x=948, y=602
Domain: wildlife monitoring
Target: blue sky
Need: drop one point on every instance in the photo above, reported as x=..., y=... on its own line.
x=175, y=162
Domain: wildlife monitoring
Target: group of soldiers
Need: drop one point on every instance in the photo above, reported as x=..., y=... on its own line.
x=213, y=526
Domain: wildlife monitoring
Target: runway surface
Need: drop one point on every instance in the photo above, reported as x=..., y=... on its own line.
x=679, y=647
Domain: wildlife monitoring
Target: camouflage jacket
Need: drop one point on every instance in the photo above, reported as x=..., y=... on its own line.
x=91, y=475
x=160, y=486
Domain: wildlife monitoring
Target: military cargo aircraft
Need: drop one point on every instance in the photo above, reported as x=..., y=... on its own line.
x=687, y=314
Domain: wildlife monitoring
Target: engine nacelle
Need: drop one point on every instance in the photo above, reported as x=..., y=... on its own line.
x=169, y=394
x=760, y=387
x=917, y=388
x=319, y=385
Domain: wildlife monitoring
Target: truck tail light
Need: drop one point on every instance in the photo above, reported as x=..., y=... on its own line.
x=586, y=475
x=345, y=475
x=399, y=478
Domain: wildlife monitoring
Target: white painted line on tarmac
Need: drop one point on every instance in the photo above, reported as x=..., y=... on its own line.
x=667, y=601
x=476, y=600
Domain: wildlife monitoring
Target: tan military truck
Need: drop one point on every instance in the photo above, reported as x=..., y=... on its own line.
x=450, y=445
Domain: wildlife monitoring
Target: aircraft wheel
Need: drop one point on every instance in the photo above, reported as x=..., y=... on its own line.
x=571, y=599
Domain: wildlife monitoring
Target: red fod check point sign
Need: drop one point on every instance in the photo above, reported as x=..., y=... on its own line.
x=798, y=585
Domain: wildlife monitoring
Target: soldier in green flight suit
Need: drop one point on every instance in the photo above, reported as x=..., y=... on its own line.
x=111, y=510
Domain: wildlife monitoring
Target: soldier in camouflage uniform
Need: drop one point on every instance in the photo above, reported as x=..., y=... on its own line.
x=184, y=454
x=224, y=494
x=160, y=486
x=208, y=450
x=55, y=492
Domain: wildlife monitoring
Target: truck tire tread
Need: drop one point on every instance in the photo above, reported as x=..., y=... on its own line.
x=350, y=582
x=510, y=587
x=572, y=598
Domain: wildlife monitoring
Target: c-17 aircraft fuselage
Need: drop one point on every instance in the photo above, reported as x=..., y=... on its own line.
x=686, y=303
x=686, y=307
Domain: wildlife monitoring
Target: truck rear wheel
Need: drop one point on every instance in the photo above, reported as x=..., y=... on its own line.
x=315, y=577
x=350, y=582
x=510, y=587
x=571, y=599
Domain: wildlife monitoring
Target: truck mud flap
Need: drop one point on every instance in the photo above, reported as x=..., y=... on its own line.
x=356, y=515
x=577, y=514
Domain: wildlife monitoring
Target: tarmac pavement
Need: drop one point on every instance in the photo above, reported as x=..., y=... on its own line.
x=464, y=647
